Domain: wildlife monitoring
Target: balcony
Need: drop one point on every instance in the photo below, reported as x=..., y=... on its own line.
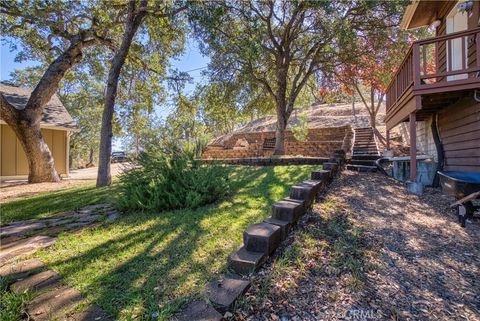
x=434, y=73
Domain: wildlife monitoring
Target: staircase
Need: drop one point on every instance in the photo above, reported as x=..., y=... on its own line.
x=365, y=151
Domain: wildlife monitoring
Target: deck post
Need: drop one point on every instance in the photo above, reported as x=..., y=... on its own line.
x=388, y=139
x=413, y=147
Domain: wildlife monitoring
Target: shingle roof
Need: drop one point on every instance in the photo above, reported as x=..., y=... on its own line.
x=54, y=113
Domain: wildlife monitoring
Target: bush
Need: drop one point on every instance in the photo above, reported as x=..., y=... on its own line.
x=173, y=180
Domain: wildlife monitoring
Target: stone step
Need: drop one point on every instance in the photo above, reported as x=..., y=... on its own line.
x=20, y=229
x=362, y=168
x=288, y=210
x=21, y=269
x=262, y=237
x=24, y=246
x=246, y=262
x=198, y=310
x=54, y=304
x=223, y=293
x=284, y=226
x=37, y=282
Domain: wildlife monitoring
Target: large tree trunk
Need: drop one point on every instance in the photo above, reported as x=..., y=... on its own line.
x=280, y=133
x=40, y=161
x=26, y=122
x=134, y=19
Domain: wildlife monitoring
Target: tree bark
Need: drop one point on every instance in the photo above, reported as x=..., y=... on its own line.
x=134, y=19
x=280, y=132
x=26, y=122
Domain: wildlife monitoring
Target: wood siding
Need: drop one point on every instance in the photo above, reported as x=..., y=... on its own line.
x=459, y=126
x=13, y=161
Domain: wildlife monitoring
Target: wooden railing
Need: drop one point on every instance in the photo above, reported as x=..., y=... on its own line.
x=444, y=63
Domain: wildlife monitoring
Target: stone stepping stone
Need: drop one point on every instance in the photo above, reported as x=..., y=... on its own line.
x=24, y=247
x=245, y=262
x=262, y=237
x=225, y=292
x=37, y=282
x=198, y=311
x=20, y=229
x=53, y=304
x=92, y=313
x=21, y=269
x=284, y=226
x=288, y=210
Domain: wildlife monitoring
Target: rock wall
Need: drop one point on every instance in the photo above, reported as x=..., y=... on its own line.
x=320, y=142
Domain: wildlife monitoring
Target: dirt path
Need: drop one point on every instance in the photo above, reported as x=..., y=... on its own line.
x=370, y=251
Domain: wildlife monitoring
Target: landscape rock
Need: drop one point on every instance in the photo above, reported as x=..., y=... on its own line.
x=37, y=282
x=54, y=304
x=24, y=247
x=225, y=292
x=21, y=269
x=198, y=311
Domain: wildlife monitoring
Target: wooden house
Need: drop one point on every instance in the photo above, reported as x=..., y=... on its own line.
x=438, y=83
x=56, y=125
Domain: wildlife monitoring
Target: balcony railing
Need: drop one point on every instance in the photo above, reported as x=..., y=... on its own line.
x=440, y=64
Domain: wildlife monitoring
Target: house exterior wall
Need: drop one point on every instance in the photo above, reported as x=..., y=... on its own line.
x=459, y=127
x=13, y=161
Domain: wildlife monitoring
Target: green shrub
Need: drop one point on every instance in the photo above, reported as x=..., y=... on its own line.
x=171, y=180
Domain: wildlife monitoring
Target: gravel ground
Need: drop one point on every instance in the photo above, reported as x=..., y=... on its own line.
x=370, y=251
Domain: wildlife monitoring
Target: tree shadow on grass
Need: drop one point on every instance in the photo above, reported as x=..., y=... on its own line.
x=148, y=263
x=50, y=203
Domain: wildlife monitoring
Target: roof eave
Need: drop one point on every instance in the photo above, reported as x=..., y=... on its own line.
x=408, y=15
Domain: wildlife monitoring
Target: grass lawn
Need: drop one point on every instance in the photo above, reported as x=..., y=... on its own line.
x=148, y=263
x=49, y=203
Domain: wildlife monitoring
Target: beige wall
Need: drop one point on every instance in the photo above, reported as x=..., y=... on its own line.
x=12, y=157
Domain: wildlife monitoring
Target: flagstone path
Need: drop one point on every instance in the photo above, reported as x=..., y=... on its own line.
x=52, y=298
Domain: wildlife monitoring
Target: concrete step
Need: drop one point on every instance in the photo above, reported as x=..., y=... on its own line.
x=262, y=237
x=362, y=168
x=330, y=166
x=288, y=210
x=245, y=262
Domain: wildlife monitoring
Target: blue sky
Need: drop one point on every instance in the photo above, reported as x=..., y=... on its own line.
x=190, y=60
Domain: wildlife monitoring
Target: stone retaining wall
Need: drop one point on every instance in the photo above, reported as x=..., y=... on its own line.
x=320, y=142
x=260, y=242
x=268, y=161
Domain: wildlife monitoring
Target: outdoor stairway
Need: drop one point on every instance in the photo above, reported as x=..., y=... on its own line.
x=365, y=151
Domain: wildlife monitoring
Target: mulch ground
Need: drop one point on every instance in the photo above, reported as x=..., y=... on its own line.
x=370, y=251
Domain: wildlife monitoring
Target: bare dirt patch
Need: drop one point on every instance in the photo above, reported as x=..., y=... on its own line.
x=370, y=251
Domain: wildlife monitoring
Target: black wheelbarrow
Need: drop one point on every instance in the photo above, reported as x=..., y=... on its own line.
x=465, y=187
